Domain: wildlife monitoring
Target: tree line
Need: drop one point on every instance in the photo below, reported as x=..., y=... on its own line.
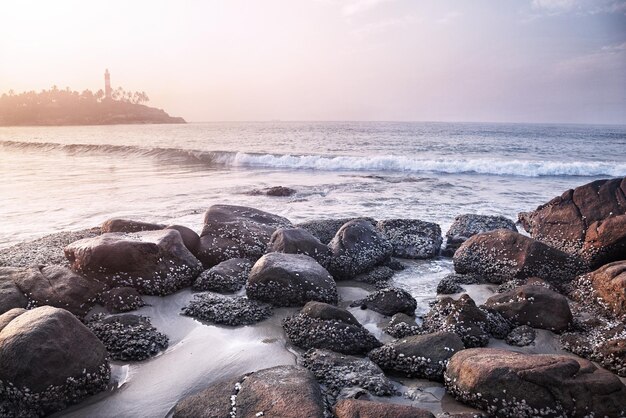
x=57, y=96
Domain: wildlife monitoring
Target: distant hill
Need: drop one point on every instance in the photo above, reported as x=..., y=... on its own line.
x=66, y=107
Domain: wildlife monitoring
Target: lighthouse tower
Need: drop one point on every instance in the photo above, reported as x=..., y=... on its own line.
x=107, y=84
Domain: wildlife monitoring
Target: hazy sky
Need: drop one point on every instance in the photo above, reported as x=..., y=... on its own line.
x=478, y=60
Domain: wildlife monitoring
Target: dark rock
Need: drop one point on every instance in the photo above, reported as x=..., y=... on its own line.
x=299, y=241
x=121, y=299
x=339, y=372
x=9, y=316
x=227, y=277
x=60, y=287
x=503, y=255
x=280, y=191
x=236, y=232
x=393, y=264
x=388, y=302
x=412, y=238
x=379, y=276
x=509, y=384
x=451, y=283
x=320, y=325
x=423, y=355
x=290, y=280
x=605, y=288
x=153, y=262
x=357, y=248
x=536, y=306
x=225, y=310
x=402, y=325
x=282, y=391
x=521, y=336
x=48, y=361
x=128, y=226
x=467, y=225
x=326, y=229
x=128, y=337
x=587, y=221
x=11, y=296
x=356, y=408
x=190, y=238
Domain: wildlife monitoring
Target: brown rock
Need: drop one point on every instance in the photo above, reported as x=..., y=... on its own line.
x=609, y=284
x=11, y=296
x=127, y=225
x=9, y=316
x=354, y=408
x=190, y=238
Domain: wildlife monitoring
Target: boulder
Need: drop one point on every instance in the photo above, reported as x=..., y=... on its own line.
x=503, y=255
x=227, y=277
x=48, y=360
x=521, y=336
x=357, y=248
x=60, y=287
x=326, y=229
x=412, y=238
x=467, y=225
x=121, y=299
x=388, y=302
x=282, y=391
x=605, y=288
x=339, y=372
x=153, y=262
x=583, y=221
x=451, y=283
x=128, y=226
x=402, y=325
x=236, y=232
x=536, y=306
x=423, y=355
x=320, y=325
x=299, y=241
x=290, y=280
x=510, y=384
x=11, y=296
x=9, y=316
x=190, y=238
x=218, y=309
x=356, y=408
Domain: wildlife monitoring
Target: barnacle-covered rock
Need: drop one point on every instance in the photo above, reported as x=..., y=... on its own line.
x=402, y=325
x=299, y=241
x=356, y=408
x=121, y=299
x=412, y=238
x=521, y=336
x=388, y=301
x=227, y=277
x=326, y=229
x=226, y=310
x=467, y=225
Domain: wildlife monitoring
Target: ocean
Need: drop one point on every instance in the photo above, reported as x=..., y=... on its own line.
x=68, y=178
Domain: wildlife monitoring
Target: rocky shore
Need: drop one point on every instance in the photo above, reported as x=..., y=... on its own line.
x=65, y=298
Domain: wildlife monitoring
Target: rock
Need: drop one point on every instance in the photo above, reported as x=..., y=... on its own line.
x=153, y=262
x=339, y=371
x=357, y=248
x=423, y=355
x=326, y=229
x=11, y=296
x=282, y=391
x=388, y=302
x=320, y=325
x=521, y=336
x=451, y=283
x=535, y=306
x=128, y=226
x=224, y=310
x=571, y=222
x=605, y=288
x=9, y=316
x=509, y=384
x=48, y=361
x=128, y=337
x=379, y=276
x=280, y=191
x=227, y=277
x=290, y=280
x=467, y=225
x=190, y=238
x=60, y=287
x=356, y=408
x=236, y=232
x=412, y=238
x=503, y=255
x=402, y=325
x=121, y=299
x=299, y=241
x=394, y=264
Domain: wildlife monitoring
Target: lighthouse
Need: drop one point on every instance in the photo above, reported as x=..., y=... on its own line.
x=107, y=84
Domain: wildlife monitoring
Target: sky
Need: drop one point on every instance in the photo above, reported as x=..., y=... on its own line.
x=395, y=60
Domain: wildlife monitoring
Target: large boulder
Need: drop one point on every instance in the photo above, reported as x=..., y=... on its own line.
x=467, y=225
x=536, y=306
x=423, y=355
x=503, y=255
x=605, y=288
x=128, y=226
x=190, y=238
x=510, y=384
x=588, y=221
x=320, y=325
x=48, y=360
x=282, y=391
x=388, y=301
x=9, y=316
x=357, y=248
x=236, y=232
x=290, y=280
x=299, y=241
x=326, y=229
x=412, y=238
x=227, y=277
x=153, y=262
x=356, y=408
x=11, y=296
